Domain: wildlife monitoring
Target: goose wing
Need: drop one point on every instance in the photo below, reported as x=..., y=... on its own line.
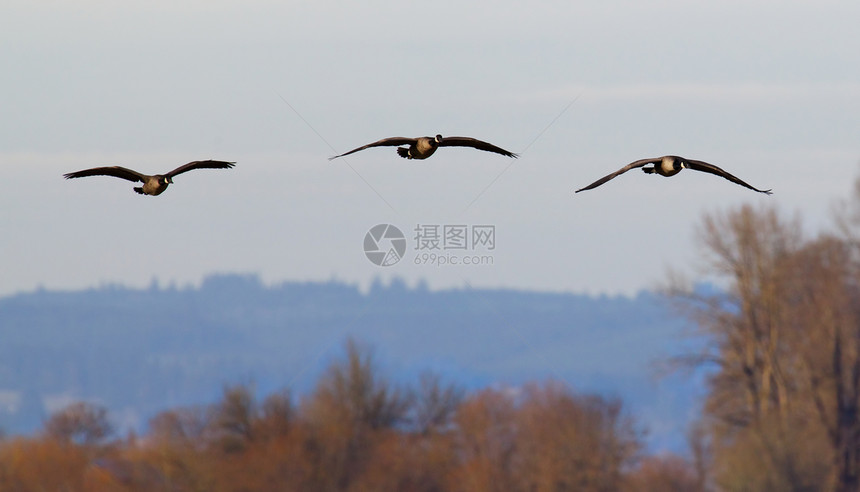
x=623, y=170
x=116, y=171
x=200, y=165
x=385, y=142
x=475, y=143
x=710, y=168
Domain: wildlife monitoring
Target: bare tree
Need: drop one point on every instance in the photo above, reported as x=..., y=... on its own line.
x=784, y=399
x=435, y=403
x=351, y=410
x=80, y=423
x=572, y=442
x=183, y=427
x=355, y=391
x=232, y=421
x=826, y=300
x=748, y=248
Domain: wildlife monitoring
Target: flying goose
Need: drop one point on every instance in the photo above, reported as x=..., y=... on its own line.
x=424, y=147
x=670, y=165
x=152, y=185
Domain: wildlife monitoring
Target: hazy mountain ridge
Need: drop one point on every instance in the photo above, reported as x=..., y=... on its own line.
x=139, y=351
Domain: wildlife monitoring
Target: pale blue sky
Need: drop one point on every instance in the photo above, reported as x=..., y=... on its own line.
x=768, y=90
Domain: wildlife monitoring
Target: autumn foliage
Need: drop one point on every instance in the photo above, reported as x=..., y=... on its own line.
x=355, y=431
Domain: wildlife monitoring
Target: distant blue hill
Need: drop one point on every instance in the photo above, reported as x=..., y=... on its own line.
x=140, y=351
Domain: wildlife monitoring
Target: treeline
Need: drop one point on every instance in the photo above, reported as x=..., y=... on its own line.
x=355, y=431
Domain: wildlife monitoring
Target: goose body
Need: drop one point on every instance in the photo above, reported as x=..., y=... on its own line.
x=424, y=147
x=670, y=165
x=152, y=185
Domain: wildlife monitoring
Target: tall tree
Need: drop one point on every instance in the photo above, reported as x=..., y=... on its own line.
x=233, y=418
x=352, y=407
x=783, y=401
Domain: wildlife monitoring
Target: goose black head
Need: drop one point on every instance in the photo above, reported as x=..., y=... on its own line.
x=438, y=139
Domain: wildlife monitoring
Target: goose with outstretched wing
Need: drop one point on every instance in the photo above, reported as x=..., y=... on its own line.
x=670, y=165
x=152, y=185
x=424, y=147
